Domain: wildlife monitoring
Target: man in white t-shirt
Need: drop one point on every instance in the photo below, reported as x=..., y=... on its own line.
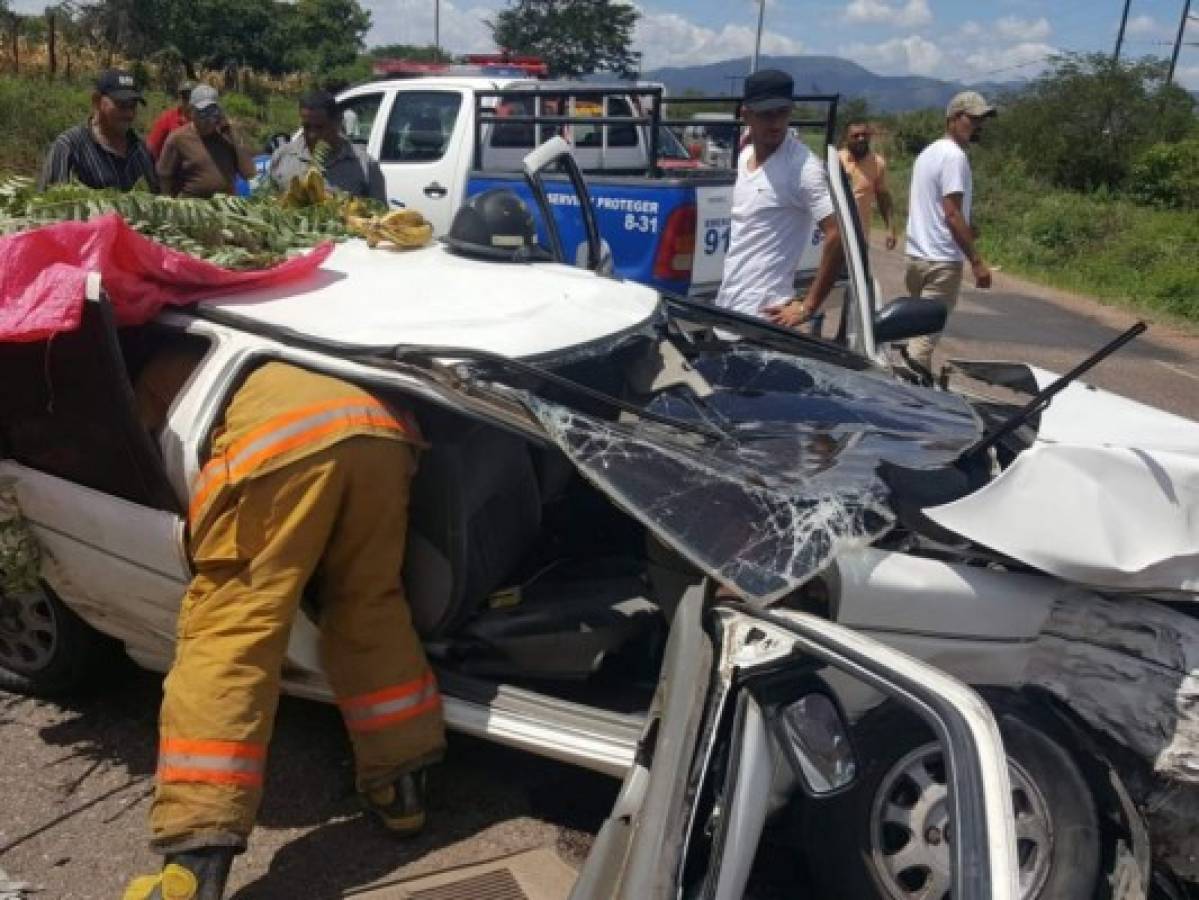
x=940, y=235
x=781, y=190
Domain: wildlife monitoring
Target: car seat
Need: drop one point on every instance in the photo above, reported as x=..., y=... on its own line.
x=424, y=139
x=474, y=519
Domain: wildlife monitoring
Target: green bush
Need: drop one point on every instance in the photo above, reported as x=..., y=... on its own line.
x=914, y=131
x=239, y=106
x=1083, y=123
x=1168, y=175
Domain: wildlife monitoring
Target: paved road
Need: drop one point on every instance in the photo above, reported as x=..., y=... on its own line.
x=75, y=779
x=1019, y=321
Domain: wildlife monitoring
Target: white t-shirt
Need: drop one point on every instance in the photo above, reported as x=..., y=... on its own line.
x=774, y=208
x=941, y=169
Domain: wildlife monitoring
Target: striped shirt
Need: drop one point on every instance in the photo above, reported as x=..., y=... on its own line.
x=77, y=154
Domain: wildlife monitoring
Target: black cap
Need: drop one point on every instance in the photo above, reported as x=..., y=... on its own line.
x=119, y=85
x=768, y=89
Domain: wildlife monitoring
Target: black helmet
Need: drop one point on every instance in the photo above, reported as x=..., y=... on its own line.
x=495, y=224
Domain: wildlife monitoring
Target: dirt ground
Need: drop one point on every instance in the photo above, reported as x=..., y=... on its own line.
x=76, y=781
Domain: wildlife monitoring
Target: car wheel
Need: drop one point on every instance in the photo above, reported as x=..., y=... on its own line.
x=890, y=836
x=46, y=649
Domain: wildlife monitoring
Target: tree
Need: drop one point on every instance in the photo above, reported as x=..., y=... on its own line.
x=1083, y=123
x=427, y=53
x=574, y=37
x=325, y=34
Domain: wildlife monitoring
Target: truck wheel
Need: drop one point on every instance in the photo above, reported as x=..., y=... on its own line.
x=889, y=837
x=47, y=650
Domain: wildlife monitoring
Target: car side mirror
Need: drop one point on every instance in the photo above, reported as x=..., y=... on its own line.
x=909, y=317
x=814, y=736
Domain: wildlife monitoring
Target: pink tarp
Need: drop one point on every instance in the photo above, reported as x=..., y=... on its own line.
x=43, y=276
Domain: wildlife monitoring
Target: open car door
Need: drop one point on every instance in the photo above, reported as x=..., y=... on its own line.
x=91, y=482
x=746, y=710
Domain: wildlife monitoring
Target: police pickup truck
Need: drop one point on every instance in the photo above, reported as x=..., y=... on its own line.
x=664, y=216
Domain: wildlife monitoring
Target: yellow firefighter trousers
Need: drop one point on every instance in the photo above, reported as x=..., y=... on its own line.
x=333, y=522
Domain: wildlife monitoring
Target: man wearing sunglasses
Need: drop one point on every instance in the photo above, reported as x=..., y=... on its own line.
x=940, y=236
x=104, y=151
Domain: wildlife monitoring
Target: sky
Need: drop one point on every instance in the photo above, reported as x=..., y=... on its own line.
x=964, y=40
x=969, y=40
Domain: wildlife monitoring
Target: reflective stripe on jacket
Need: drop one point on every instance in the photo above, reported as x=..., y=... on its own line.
x=283, y=413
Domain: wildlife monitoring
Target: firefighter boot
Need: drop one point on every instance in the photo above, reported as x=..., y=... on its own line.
x=400, y=805
x=194, y=875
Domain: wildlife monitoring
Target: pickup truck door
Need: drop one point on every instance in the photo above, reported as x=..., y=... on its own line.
x=721, y=741
x=423, y=150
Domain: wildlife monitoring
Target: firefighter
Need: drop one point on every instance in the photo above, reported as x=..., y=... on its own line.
x=305, y=493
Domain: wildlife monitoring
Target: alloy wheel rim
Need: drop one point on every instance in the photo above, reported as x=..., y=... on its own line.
x=911, y=832
x=28, y=631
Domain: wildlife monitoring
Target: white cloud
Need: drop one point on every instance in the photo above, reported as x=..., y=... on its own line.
x=910, y=14
x=1016, y=29
x=669, y=39
x=1146, y=25
x=971, y=29
x=1021, y=60
x=462, y=28
x=912, y=55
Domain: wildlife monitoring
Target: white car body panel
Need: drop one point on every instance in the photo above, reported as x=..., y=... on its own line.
x=1107, y=496
x=364, y=298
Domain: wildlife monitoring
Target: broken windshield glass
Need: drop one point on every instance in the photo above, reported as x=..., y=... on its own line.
x=794, y=481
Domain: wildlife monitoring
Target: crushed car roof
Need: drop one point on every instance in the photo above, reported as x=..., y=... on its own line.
x=365, y=298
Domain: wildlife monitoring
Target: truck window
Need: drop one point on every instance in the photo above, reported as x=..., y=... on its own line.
x=358, y=117
x=621, y=135
x=420, y=125
x=515, y=136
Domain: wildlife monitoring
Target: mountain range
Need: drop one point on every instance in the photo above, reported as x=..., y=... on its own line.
x=824, y=75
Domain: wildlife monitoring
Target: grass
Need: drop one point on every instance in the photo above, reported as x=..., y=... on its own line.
x=34, y=111
x=1099, y=244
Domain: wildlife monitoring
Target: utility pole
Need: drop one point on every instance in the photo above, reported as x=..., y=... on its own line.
x=1120, y=36
x=1182, y=27
x=753, y=67
x=437, y=26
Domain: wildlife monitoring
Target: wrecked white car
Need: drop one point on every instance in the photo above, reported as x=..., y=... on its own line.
x=634, y=544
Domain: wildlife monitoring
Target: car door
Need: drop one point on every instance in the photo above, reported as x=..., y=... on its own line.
x=745, y=705
x=422, y=152
x=91, y=482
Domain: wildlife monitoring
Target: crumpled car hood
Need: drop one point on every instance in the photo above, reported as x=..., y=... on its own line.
x=793, y=483
x=1107, y=496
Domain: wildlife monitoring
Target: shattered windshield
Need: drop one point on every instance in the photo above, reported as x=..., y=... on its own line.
x=793, y=479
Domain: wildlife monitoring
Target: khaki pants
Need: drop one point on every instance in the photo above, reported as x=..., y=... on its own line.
x=939, y=281
x=334, y=523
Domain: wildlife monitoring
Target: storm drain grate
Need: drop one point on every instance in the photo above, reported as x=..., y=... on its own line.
x=498, y=884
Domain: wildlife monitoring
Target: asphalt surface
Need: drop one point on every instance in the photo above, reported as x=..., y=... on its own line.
x=76, y=778
x=1018, y=321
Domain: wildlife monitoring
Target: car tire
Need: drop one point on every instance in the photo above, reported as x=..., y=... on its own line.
x=46, y=650
x=863, y=845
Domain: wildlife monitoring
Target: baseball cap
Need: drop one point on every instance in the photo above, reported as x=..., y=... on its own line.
x=119, y=85
x=971, y=103
x=203, y=96
x=768, y=89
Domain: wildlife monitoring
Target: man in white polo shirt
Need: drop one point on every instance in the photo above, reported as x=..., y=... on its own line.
x=940, y=235
x=781, y=190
